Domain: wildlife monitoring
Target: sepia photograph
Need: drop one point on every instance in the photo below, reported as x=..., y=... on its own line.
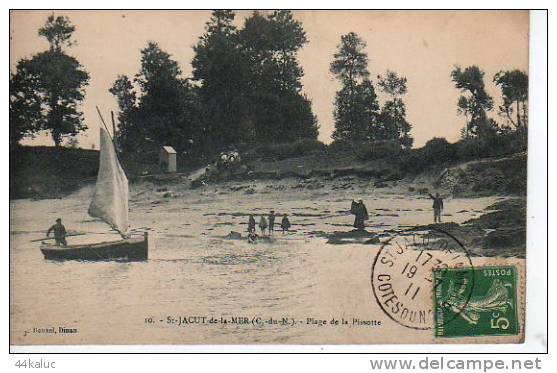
x=268, y=177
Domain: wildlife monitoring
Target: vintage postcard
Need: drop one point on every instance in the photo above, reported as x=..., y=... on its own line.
x=268, y=177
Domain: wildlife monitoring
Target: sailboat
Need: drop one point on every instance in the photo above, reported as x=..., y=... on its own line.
x=110, y=204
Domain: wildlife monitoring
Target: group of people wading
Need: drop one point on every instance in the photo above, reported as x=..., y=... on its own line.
x=266, y=223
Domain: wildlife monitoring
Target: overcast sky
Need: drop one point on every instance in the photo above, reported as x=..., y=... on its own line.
x=424, y=46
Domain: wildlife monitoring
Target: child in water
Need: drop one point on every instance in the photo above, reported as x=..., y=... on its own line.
x=285, y=224
x=271, y=222
x=263, y=224
x=251, y=223
x=252, y=237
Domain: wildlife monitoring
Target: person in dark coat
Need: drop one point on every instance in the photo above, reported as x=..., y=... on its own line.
x=359, y=210
x=263, y=224
x=59, y=233
x=251, y=223
x=285, y=224
x=271, y=222
x=437, y=207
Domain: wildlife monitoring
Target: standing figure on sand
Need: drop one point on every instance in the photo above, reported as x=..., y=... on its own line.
x=359, y=210
x=271, y=222
x=262, y=224
x=252, y=236
x=285, y=224
x=251, y=223
x=437, y=207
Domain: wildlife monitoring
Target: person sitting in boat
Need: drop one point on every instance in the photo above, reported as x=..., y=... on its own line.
x=59, y=233
x=285, y=224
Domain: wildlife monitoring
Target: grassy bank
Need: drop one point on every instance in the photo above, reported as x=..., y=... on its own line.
x=53, y=172
x=467, y=168
x=48, y=172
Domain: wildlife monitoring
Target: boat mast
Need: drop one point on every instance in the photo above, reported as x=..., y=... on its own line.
x=106, y=128
x=113, y=137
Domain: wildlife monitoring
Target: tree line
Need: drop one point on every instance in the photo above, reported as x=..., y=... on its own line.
x=475, y=102
x=245, y=89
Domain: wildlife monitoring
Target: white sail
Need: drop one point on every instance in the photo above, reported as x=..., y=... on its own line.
x=110, y=201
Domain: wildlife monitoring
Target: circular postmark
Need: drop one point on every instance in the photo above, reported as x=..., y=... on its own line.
x=402, y=275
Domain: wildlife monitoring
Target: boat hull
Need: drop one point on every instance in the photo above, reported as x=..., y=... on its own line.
x=127, y=249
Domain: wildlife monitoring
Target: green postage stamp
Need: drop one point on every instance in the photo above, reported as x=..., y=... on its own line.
x=481, y=303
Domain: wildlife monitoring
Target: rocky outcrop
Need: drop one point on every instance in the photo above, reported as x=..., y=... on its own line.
x=501, y=231
x=486, y=177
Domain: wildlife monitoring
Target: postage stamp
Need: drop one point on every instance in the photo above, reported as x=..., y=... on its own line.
x=402, y=276
x=483, y=307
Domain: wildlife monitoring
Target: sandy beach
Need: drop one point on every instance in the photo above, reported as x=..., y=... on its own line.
x=194, y=270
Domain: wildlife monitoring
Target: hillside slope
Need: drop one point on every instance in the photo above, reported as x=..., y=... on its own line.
x=48, y=172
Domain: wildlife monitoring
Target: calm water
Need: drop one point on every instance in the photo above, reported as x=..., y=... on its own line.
x=194, y=271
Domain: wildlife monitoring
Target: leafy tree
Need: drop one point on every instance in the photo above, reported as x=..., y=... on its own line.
x=221, y=68
x=250, y=80
x=278, y=109
x=58, y=31
x=47, y=89
x=514, y=87
x=129, y=136
x=166, y=112
x=392, y=123
x=25, y=108
x=356, y=107
x=271, y=44
x=72, y=143
x=392, y=84
x=476, y=102
x=355, y=112
x=302, y=123
x=438, y=150
x=350, y=61
x=284, y=117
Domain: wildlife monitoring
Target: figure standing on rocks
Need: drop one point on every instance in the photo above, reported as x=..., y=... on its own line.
x=263, y=224
x=285, y=224
x=359, y=210
x=271, y=222
x=437, y=207
x=251, y=223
